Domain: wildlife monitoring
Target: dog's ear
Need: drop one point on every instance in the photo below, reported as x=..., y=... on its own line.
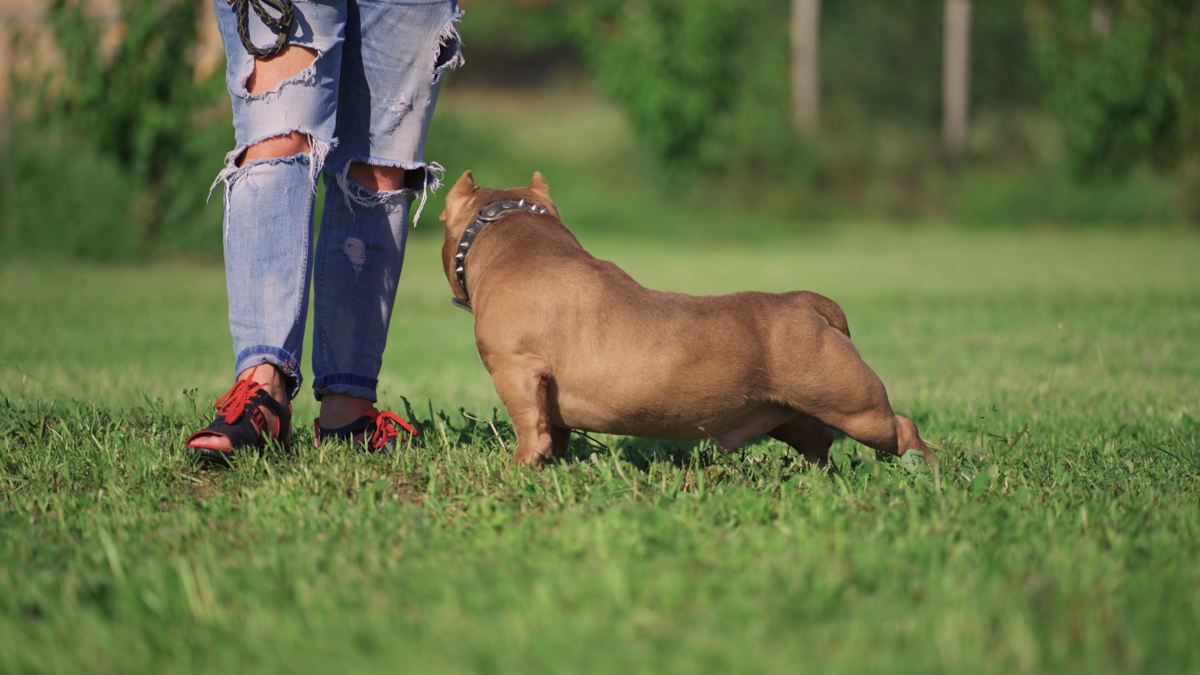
x=466, y=182
x=538, y=186
x=459, y=195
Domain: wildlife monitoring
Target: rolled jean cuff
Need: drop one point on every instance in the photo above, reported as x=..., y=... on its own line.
x=347, y=384
x=281, y=359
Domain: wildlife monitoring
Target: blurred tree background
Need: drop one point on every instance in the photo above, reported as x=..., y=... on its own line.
x=1082, y=112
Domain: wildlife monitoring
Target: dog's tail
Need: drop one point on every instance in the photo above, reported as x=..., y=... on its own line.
x=827, y=308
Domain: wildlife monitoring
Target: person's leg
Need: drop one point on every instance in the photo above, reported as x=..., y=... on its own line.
x=340, y=409
x=284, y=118
x=395, y=56
x=252, y=314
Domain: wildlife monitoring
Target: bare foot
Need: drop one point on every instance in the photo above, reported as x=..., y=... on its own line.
x=268, y=377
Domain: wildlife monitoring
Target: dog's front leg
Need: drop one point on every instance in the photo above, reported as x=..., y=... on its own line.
x=523, y=391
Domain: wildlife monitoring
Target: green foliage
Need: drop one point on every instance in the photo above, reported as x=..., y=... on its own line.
x=66, y=200
x=706, y=86
x=113, y=156
x=1123, y=91
x=137, y=120
x=709, y=81
x=668, y=62
x=188, y=218
x=1054, y=196
x=879, y=62
x=138, y=103
x=516, y=26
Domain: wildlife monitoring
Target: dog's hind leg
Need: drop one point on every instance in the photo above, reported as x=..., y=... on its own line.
x=808, y=436
x=523, y=392
x=870, y=421
x=844, y=393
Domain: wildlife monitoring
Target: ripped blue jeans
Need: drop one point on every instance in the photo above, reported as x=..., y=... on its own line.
x=367, y=97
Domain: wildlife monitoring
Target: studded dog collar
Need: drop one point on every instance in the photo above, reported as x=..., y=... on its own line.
x=486, y=216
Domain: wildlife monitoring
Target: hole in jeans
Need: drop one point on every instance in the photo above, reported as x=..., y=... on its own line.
x=269, y=73
x=447, y=52
x=449, y=48
x=283, y=145
x=377, y=178
x=356, y=252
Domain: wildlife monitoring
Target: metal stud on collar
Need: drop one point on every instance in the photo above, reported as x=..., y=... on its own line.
x=486, y=216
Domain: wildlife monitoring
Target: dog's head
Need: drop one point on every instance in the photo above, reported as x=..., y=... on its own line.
x=463, y=203
x=466, y=198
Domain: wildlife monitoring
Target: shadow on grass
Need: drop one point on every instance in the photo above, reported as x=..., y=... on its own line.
x=470, y=429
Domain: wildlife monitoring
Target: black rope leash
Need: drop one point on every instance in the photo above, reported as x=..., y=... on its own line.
x=282, y=24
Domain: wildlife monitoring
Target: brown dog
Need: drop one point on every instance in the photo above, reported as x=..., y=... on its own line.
x=573, y=342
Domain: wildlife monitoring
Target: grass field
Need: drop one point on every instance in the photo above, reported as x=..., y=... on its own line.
x=1057, y=374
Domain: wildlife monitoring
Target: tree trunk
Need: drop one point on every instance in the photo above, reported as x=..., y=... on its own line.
x=956, y=71
x=1101, y=20
x=806, y=62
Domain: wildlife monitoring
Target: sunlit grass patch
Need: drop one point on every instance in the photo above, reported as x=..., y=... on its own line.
x=1056, y=374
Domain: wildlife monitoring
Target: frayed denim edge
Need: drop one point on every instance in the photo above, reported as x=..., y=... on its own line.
x=306, y=77
x=357, y=194
x=318, y=150
x=449, y=35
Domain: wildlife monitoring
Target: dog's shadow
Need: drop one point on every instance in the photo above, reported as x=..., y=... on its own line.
x=685, y=455
x=638, y=451
x=642, y=452
x=467, y=428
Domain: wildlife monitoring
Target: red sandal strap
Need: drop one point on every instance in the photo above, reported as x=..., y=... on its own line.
x=379, y=429
x=241, y=420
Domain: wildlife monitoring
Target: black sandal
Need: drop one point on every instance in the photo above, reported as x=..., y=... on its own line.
x=242, y=422
x=381, y=430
